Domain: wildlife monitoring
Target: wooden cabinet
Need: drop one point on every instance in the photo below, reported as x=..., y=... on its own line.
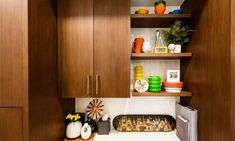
x=11, y=124
x=111, y=47
x=94, y=52
x=13, y=52
x=75, y=44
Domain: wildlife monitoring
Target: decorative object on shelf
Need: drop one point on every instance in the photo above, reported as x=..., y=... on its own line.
x=93, y=124
x=159, y=44
x=171, y=48
x=155, y=84
x=95, y=109
x=86, y=131
x=177, y=11
x=173, y=75
x=104, y=127
x=142, y=11
x=73, y=129
x=160, y=7
x=173, y=87
x=138, y=73
x=137, y=45
x=146, y=47
x=144, y=123
x=141, y=85
x=178, y=35
x=178, y=49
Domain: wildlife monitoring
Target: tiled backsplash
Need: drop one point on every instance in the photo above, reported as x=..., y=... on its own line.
x=140, y=105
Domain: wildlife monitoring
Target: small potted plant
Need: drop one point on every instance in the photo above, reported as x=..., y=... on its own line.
x=74, y=127
x=177, y=36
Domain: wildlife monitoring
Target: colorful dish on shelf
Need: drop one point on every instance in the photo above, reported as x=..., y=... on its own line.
x=154, y=78
x=155, y=89
x=173, y=84
x=173, y=90
x=154, y=86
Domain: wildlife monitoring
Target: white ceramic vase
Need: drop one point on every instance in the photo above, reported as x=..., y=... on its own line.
x=177, y=49
x=86, y=131
x=73, y=130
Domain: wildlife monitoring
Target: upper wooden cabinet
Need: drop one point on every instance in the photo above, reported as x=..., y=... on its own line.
x=111, y=47
x=13, y=52
x=75, y=44
x=94, y=53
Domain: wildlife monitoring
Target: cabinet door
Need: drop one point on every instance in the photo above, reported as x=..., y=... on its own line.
x=13, y=52
x=75, y=42
x=11, y=124
x=111, y=48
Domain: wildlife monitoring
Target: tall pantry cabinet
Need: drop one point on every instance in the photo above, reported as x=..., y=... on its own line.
x=13, y=70
x=29, y=105
x=93, y=44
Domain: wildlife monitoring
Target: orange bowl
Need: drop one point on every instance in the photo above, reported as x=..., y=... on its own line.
x=173, y=84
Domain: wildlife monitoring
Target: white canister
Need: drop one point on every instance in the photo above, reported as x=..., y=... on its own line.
x=146, y=47
x=73, y=130
x=86, y=131
x=177, y=49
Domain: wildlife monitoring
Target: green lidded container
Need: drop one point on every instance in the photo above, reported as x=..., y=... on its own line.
x=154, y=84
x=154, y=78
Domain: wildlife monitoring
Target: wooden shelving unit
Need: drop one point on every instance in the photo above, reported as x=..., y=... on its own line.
x=156, y=20
x=160, y=55
x=163, y=93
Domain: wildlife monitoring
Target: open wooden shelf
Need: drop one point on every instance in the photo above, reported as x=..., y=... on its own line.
x=156, y=20
x=160, y=55
x=163, y=93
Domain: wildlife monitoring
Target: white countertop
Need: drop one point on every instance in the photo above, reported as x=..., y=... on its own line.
x=133, y=136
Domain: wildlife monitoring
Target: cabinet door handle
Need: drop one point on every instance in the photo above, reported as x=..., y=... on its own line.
x=88, y=84
x=97, y=84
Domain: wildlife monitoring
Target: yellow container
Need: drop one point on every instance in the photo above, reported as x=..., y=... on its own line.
x=138, y=78
x=138, y=74
x=138, y=68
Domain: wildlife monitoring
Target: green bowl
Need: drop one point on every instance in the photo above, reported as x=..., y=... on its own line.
x=154, y=78
x=155, y=86
x=154, y=82
x=155, y=89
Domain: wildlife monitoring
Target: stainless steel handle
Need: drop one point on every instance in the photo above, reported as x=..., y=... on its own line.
x=97, y=84
x=88, y=84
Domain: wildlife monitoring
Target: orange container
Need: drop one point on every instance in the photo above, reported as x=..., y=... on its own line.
x=137, y=45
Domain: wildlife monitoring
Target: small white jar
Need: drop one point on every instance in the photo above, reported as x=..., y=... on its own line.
x=86, y=131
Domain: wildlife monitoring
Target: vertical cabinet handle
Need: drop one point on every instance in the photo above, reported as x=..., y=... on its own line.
x=88, y=84
x=97, y=84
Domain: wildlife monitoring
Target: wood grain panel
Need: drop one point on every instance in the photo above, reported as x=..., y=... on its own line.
x=11, y=124
x=208, y=73
x=111, y=47
x=232, y=69
x=75, y=42
x=46, y=108
x=13, y=52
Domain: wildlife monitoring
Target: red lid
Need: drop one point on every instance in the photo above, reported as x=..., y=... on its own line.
x=173, y=84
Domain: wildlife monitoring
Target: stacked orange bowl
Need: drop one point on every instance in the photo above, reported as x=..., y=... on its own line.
x=173, y=87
